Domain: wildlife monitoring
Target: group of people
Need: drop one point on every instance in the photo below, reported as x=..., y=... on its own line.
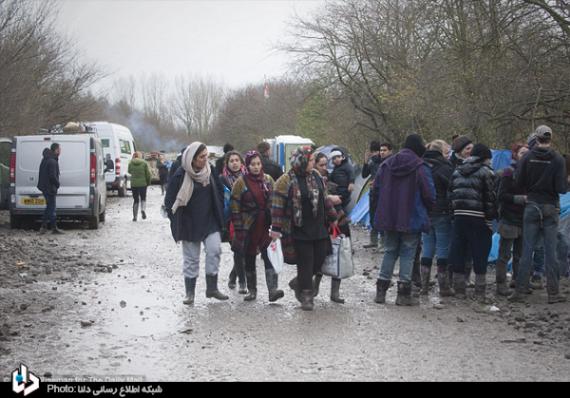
x=428, y=202
x=434, y=201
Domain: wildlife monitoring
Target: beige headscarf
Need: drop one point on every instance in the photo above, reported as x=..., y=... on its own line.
x=201, y=177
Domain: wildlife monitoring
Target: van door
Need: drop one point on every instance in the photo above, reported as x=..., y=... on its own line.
x=101, y=187
x=126, y=150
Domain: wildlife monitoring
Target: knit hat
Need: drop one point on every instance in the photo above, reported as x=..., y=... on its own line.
x=543, y=132
x=482, y=152
x=415, y=143
x=334, y=154
x=460, y=143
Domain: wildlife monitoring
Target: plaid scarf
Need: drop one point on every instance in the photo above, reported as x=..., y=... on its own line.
x=313, y=190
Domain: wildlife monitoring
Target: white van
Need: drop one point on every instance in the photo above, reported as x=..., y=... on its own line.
x=82, y=192
x=117, y=141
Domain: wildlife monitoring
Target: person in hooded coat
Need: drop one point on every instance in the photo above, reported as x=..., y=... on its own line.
x=48, y=184
x=406, y=193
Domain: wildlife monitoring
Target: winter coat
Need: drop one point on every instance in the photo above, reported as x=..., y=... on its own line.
x=371, y=167
x=542, y=175
x=510, y=197
x=343, y=176
x=181, y=221
x=406, y=193
x=246, y=211
x=472, y=190
x=140, y=173
x=271, y=168
x=48, y=180
x=441, y=171
x=162, y=172
x=282, y=214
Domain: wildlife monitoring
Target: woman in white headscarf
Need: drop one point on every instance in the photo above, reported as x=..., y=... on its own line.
x=194, y=202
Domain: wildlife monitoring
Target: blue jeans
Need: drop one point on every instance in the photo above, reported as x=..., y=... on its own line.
x=436, y=242
x=538, y=260
x=402, y=245
x=49, y=212
x=540, y=221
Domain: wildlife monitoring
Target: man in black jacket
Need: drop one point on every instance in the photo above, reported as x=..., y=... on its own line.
x=542, y=175
x=48, y=184
x=269, y=166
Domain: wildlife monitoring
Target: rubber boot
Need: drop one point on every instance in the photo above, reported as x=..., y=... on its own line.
x=404, y=296
x=135, y=211
x=536, y=282
x=43, y=229
x=480, y=288
x=251, y=278
x=335, y=291
x=56, y=231
x=459, y=285
x=468, y=270
x=190, y=285
x=556, y=298
x=316, y=284
x=294, y=285
x=443, y=280
x=212, y=288
x=143, y=209
x=425, y=273
x=373, y=240
x=501, y=279
x=381, y=289
x=416, y=274
x=272, y=280
x=232, y=278
x=307, y=300
x=239, y=269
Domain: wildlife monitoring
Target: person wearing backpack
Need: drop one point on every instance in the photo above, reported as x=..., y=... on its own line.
x=250, y=205
x=194, y=203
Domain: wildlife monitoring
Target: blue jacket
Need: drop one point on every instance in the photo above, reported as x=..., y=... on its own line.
x=406, y=193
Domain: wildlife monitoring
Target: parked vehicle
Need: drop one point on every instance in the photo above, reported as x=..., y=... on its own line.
x=283, y=146
x=5, y=149
x=117, y=141
x=82, y=193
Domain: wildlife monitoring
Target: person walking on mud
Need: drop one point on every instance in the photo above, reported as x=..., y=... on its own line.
x=406, y=194
x=300, y=216
x=232, y=170
x=48, y=184
x=194, y=203
x=140, y=180
x=251, y=204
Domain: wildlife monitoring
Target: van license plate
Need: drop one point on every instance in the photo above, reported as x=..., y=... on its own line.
x=34, y=201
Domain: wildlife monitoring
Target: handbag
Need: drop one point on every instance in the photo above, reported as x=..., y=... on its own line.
x=275, y=254
x=339, y=264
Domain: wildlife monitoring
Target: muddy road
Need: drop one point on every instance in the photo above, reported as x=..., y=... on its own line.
x=108, y=303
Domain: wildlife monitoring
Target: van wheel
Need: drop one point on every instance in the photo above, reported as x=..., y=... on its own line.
x=102, y=217
x=15, y=222
x=94, y=222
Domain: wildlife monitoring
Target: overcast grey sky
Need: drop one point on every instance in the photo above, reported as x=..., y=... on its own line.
x=230, y=40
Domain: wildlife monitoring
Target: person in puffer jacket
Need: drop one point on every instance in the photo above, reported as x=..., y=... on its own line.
x=473, y=201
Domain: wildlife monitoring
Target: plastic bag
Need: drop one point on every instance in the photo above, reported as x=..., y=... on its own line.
x=339, y=264
x=275, y=254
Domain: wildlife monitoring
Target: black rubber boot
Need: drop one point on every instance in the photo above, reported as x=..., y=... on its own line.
x=232, y=279
x=56, y=231
x=373, y=240
x=135, y=211
x=481, y=288
x=272, y=281
x=307, y=300
x=404, y=296
x=381, y=289
x=239, y=267
x=190, y=286
x=443, y=279
x=43, y=229
x=143, y=209
x=316, y=284
x=294, y=285
x=335, y=291
x=251, y=278
x=501, y=279
x=425, y=273
x=212, y=288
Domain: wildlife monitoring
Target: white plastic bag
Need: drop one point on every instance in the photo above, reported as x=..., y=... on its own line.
x=339, y=264
x=275, y=254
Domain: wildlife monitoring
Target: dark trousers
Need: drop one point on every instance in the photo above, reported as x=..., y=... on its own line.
x=250, y=261
x=311, y=255
x=49, y=212
x=470, y=234
x=139, y=192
